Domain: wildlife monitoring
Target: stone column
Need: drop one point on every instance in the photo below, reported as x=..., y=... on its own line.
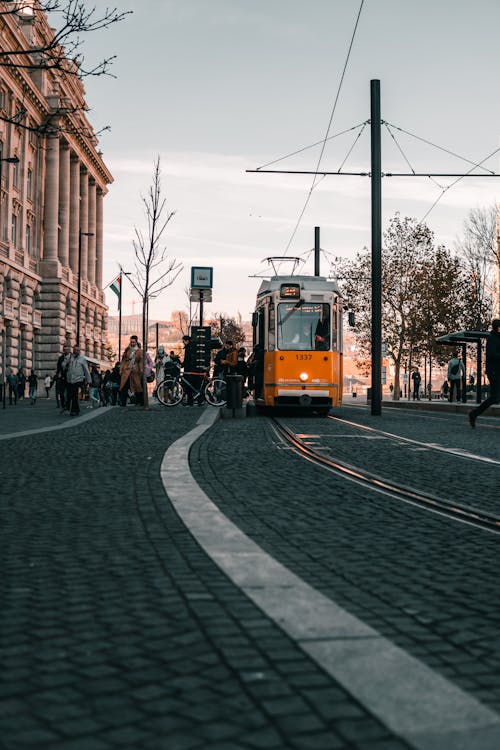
x=74, y=212
x=84, y=219
x=51, y=208
x=98, y=238
x=91, y=254
x=64, y=203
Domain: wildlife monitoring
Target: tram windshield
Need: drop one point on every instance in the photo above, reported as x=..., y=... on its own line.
x=303, y=326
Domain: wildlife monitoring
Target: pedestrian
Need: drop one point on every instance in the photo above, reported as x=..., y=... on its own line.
x=161, y=360
x=456, y=371
x=131, y=370
x=230, y=360
x=191, y=371
x=95, y=387
x=115, y=383
x=242, y=369
x=107, y=387
x=13, y=385
x=492, y=371
x=77, y=376
x=33, y=385
x=48, y=384
x=218, y=370
x=21, y=383
x=445, y=389
x=416, y=380
x=61, y=382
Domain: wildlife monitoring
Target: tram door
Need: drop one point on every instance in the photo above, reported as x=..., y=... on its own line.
x=259, y=328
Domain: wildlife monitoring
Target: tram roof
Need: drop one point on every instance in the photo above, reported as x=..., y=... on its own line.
x=308, y=283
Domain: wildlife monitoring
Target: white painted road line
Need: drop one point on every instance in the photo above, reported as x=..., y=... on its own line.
x=411, y=699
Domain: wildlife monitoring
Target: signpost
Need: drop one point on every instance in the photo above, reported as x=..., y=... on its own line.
x=201, y=286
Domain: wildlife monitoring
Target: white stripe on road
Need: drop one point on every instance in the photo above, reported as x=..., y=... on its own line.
x=68, y=422
x=411, y=699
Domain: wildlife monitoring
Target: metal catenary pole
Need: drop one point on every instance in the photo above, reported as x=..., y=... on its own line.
x=376, y=191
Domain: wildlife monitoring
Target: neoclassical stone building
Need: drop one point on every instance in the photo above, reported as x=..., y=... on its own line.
x=51, y=211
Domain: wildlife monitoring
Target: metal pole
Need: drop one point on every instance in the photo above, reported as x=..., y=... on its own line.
x=201, y=307
x=316, y=251
x=120, y=317
x=376, y=190
x=157, y=335
x=479, y=374
x=79, y=292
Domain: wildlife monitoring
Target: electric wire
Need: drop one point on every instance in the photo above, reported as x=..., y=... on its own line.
x=315, y=182
x=352, y=147
x=448, y=187
x=398, y=145
x=440, y=148
x=312, y=145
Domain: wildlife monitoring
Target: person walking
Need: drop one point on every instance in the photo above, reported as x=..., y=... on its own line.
x=13, y=385
x=230, y=360
x=33, y=386
x=77, y=375
x=95, y=387
x=416, y=379
x=456, y=371
x=61, y=382
x=131, y=369
x=21, y=383
x=48, y=384
x=492, y=372
x=115, y=383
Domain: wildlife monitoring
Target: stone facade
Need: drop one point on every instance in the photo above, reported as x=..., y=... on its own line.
x=51, y=212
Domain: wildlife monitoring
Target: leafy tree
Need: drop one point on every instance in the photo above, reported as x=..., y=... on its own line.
x=154, y=271
x=226, y=328
x=420, y=293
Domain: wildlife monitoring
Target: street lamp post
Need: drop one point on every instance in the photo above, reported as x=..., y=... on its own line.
x=8, y=160
x=79, y=293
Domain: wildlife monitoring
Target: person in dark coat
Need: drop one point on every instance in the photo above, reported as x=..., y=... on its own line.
x=492, y=371
x=21, y=383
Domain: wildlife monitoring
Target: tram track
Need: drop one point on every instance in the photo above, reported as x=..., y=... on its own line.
x=457, y=511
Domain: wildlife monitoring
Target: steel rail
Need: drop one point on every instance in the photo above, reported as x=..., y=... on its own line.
x=458, y=512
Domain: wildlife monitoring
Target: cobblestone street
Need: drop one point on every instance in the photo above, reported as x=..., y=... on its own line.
x=119, y=631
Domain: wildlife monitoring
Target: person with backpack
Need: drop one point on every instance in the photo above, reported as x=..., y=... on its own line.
x=456, y=372
x=416, y=379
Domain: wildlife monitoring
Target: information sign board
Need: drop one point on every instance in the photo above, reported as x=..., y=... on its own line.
x=201, y=277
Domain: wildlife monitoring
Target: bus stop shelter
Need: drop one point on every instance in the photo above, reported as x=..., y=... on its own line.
x=463, y=339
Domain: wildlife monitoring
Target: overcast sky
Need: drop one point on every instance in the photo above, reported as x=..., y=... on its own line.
x=215, y=88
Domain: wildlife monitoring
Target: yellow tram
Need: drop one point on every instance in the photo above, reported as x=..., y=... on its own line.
x=297, y=329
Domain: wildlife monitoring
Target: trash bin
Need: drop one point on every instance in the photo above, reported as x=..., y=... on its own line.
x=368, y=394
x=234, y=391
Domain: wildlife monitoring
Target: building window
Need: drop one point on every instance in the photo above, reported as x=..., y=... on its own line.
x=13, y=230
x=28, y=239
x=15, y=174
x=29, y=183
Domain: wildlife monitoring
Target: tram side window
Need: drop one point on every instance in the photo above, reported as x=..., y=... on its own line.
x=303, y=327
x=271, y=341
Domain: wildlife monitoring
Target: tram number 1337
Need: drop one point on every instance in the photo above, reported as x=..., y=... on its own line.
x=303, y=356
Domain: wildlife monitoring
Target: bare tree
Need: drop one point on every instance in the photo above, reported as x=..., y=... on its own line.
x=480, y=250
x=37, y=47
x=154, y=271
x=61, y=49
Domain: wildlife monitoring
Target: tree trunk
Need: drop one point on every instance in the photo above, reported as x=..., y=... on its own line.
x=397, y=371
x=145, y=349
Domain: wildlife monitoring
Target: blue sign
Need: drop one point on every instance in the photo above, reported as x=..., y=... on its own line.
x=201, y=277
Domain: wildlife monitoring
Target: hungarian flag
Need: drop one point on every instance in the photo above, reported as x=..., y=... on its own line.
x=116, y=287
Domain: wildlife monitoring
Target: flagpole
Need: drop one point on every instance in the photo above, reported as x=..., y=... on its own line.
x=120, y=318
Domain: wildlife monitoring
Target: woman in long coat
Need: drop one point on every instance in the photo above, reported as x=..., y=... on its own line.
x=131, y=369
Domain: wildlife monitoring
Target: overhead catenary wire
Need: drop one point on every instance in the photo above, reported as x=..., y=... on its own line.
x=312, y=145
x=315, y=178
x=448, y=187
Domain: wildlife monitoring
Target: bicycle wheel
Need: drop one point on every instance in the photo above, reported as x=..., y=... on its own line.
x=216, y=392
x=169, y=392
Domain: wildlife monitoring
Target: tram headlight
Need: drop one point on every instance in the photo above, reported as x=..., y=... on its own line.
x=304, y=376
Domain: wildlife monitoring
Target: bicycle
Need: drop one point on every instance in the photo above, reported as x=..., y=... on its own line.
x=175, y=389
